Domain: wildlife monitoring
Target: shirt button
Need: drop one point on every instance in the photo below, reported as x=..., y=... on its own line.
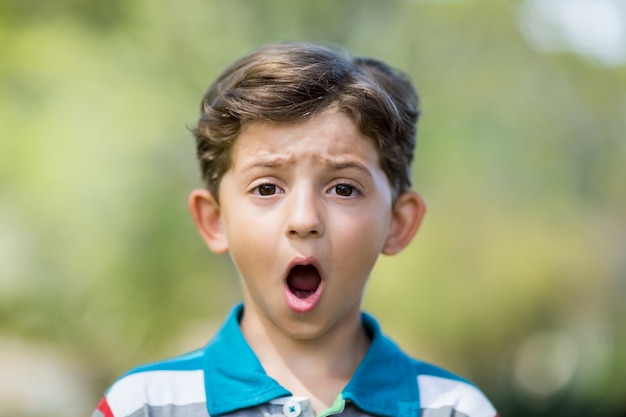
x=292, y=409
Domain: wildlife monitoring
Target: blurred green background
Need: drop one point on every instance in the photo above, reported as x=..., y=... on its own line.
x=517, y=279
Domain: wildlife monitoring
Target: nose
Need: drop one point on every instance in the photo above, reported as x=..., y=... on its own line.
x=304, y=217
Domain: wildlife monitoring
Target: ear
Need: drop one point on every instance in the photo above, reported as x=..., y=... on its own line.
x=206, y=213
x=406, y=218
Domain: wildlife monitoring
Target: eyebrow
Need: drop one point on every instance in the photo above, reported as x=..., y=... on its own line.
x=338, y=166
x=277, y=162
x=270, y=162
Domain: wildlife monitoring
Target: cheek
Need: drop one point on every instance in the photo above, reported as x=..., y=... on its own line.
x=251, y=240
x=364, y=227
x=363, y=236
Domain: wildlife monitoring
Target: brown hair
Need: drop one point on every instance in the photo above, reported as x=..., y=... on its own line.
x=289, y=82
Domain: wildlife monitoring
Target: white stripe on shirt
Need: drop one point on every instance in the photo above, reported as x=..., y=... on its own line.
x=437, y=392
x=159, y=388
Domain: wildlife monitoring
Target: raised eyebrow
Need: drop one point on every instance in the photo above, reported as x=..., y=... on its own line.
x=269, y=163
x=275, y=162
x=351, y=165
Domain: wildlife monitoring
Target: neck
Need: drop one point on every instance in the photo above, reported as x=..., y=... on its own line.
x=317, y=368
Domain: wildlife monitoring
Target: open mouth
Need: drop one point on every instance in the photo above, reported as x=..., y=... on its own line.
x=303, y=280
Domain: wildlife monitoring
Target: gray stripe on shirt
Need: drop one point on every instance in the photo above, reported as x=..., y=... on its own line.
x=171, y=410
x=447, y=411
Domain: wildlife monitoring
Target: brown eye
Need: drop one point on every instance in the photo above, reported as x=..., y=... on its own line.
x=344, y=190
x=267, y=189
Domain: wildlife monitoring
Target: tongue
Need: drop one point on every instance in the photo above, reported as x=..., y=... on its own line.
x=303, y=280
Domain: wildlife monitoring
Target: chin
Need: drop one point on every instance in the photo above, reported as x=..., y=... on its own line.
x=304, y=331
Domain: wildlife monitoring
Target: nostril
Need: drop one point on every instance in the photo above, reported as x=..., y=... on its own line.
x=295, y=232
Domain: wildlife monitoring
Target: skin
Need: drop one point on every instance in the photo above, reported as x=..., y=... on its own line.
x=310, y=192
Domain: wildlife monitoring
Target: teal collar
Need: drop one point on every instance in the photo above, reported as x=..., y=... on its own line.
x=233, y=376
x=384, y=384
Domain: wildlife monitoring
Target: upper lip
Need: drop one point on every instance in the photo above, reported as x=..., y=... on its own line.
x=305, y=260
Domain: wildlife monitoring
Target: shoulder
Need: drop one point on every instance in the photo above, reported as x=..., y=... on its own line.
x=418, y=385
x=415, y=384
x=441, y=390
x=175, y=382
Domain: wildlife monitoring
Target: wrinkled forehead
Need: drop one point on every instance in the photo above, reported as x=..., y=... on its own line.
x=329, y=138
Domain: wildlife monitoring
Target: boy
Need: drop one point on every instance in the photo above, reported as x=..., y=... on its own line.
x=306, y=156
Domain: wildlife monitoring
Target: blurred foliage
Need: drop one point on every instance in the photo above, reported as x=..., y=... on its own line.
x=520, y=158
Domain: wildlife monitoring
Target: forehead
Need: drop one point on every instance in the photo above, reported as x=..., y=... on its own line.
x=327, y=137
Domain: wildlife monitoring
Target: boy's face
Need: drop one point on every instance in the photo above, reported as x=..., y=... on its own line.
x=304, y=212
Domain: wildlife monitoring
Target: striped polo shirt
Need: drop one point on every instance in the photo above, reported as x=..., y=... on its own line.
x=225, y=378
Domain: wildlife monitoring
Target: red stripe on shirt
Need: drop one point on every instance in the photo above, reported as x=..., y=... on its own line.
x=104, y=408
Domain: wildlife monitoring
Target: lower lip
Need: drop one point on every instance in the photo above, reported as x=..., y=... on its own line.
x=303, y=305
